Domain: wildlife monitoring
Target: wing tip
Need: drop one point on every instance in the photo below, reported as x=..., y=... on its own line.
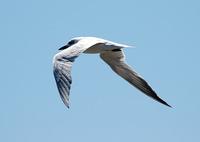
x=166, y=104
x=163, y=102
x=66, y=104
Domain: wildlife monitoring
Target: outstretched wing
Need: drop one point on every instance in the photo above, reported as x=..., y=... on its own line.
x=116, y=60
x=62, y=64
x=62, y=74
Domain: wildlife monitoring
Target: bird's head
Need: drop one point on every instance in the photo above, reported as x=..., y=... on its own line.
x=83, y=40
x=70, y=43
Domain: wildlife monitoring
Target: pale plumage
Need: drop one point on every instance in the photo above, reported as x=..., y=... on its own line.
x=109, y=51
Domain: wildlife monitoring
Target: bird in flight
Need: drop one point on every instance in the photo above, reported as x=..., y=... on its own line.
x=110, y=52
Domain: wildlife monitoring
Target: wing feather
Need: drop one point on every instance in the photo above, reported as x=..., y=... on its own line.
x=62, y=64
x=116, y=60
x=63, y=79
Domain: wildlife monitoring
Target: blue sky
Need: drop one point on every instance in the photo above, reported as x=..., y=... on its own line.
x=104, y=107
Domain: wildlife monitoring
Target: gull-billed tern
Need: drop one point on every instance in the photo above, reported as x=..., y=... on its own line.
x=109, y=51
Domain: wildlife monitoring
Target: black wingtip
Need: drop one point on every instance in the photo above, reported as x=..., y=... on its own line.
x=163, y=102
x=67, y=105
x=168, y=105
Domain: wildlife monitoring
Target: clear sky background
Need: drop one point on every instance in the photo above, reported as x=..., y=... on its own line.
x=104, y=107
